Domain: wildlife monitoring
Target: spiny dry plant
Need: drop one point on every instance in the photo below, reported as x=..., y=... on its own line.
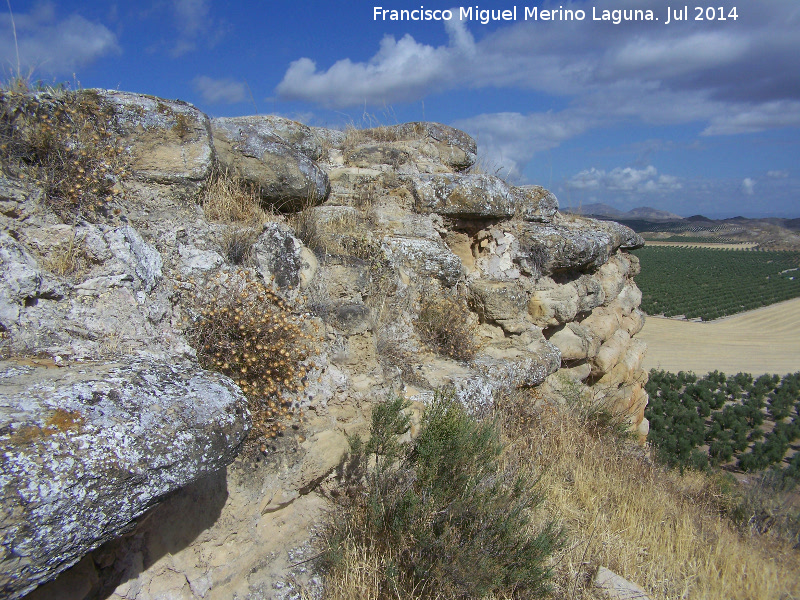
x=672, y=534
x=64, y=142
x=242, y=328
x=229, y=199
x=445, y=324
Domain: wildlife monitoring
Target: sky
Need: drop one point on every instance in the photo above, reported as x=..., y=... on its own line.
x=685, y=115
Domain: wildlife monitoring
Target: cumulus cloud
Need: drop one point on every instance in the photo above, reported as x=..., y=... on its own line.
x=625, y=179
x=736, y=79
x=54, y=46
x=220, y=91
x=748, y=186
x=402, y=70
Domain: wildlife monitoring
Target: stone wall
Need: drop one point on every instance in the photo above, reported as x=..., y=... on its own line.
x=108, y=412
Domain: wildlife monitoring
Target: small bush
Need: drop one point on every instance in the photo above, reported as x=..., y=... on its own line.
x=64, y=142
x=445, y=514
x=445, y=324
x=246, y=331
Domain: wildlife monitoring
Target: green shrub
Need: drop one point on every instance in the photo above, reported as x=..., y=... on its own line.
x=451, y=516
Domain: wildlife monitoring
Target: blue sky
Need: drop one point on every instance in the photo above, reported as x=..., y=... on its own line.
x=688, y=116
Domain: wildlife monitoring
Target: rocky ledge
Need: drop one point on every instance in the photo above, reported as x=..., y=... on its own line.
x=411, y=271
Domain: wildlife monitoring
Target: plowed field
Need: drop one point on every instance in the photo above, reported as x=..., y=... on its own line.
x=765, y=340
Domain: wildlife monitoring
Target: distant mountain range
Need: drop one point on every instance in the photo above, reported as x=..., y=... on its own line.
x=644, y=213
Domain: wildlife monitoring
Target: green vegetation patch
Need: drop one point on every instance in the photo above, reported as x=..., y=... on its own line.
x=715, y=419
x=443, y=516
x=710, y=283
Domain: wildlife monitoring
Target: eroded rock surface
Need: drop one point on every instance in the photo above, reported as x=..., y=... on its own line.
x=375, y=223
x=88, y=449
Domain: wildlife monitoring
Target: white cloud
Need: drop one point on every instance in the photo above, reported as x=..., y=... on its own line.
x=402, y=70
x=53, y=46
x=625, y=179
x=737, y=78
x=509, y=140
x=220, y=91
x=755, y=118
x=777, y=174
x=194, y=23
x=748, y=186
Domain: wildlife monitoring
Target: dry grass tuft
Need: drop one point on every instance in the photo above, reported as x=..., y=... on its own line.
x=229, y=199
x=68, y=259
x=665, y=531
x=446, y=325
x=63, y=141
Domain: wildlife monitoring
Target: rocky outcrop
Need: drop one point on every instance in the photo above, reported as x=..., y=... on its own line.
x=374, y=226
x=85, y=451
x=284, y=176
x=169, y=140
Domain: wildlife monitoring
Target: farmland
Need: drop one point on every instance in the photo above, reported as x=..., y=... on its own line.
x=703, y=283
x=760, y=341
x=750, y=423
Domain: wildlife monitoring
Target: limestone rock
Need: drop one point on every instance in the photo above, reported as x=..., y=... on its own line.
x=134, y=257
x=429, y=147
x=22, y=283
x=466, y=196
x=571, y=244
x=498, y=300
x=534, y=203
x=455, y=148
x=280, y=255
x=16, y=199
x=378, y=154
x=292, y=133
x=615, y=587
x=89, y=448
x=424, y=258
x=553, y=304
x=169, y=140
x=612, y=351
x=629, y=298
x=633, y=322
x=575, y=342
x=604, y=321
x=285, y=177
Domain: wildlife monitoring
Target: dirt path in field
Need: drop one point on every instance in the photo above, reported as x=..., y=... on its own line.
x=721, y=246
x=765, y=340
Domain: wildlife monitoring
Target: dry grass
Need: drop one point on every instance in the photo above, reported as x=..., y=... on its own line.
x=228, y=199
x=68, y=259
x=661, y=530
x=65, y=142
x=446, y=324
x=760, y=341
x=241, y=327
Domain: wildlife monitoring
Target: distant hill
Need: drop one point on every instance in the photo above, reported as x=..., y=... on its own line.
x=653, y=214
x=644, y=213
x=699, y=218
